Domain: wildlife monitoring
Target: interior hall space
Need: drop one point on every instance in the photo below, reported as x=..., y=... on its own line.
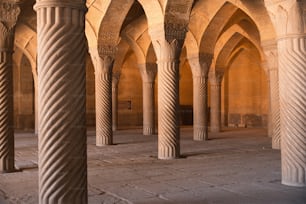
x=164, y=101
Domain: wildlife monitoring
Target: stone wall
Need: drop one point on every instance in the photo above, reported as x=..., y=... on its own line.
x=245, y=91
x=23, y=95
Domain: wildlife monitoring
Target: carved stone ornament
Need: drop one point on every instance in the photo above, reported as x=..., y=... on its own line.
x=107, y=50
x=175, y=30
x=9, y=12
x=148, y=72
x=284, y=11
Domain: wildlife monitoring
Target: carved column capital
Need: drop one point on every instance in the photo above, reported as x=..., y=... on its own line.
x=271, y=54
x=80, y=4
x=107, y=50
x=9, y=12
x=103, y=63
x=148, y=72
x=200, y=64
x=170, y=30
x=215, y=77
x=168, y=39
x=176, y=30
x=288, y=17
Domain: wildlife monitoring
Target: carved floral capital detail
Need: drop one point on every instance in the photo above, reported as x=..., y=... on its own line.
x=9, y=12
x=288, y=16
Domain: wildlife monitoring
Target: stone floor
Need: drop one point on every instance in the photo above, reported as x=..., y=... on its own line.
x=235, y=166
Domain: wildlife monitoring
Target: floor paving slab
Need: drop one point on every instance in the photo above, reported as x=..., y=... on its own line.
x=234, y=166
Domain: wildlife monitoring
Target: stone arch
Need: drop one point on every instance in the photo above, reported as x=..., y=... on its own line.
x=229, y=40
x=177, y=14
x=25, y=86
x=26, y=41
x=91, y=35
x=134, y=32
x=232, y=49
x=153, y=11
x=123, y=48
x=256, y=77
x=150, y=54
x=215, y=28
x=94, y=16
x=104, y=21
x=109, y=30
x=204, y=12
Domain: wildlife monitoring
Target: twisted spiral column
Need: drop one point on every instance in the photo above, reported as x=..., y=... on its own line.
x=148, y=108
x=61, y=95
x=215, y=106
x=168, y=104
x=275, y=111
x=6, y=113
x=200, y=112
x=200, y=67
x=292, y=92
x=148, y=73
x=115, y=81
x=9, y=12
x=103, y=75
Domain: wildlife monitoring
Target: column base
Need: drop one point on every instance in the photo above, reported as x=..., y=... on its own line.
x=168, y=157
x=10, y=171
x=276, y=145
x=148, y=131
x=294, y=184
x=103, y=141
x=169, y=152
x=200, y=134
x=7, y=166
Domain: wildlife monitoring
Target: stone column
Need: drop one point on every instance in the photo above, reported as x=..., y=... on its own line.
x=103, y=81
x=115, y=81
x=289, y=20
x=199, y=67
x=215, y=98
x=272, y=71
x=148, y=73
x=36, y=104
x=275, y=109
x=36, y=110
x=168, y=41
x=61, y=94
x=9, y=13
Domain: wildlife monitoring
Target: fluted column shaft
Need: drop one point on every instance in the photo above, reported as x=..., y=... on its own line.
x=289, y=20
x=269, y=122
x=9, y=13
x=215, y=105
x=115, y=81
x=148, y=74
x=199, y=66
x=275, y=109
x=168, y=100
x=36, y=106
x=6, y=113
x=61, y=91
x=200, y=111
x=292, y=86
x=103, y=76
x=168, y=39
x=168, y=105
x=148, y=108
x=271, y=68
